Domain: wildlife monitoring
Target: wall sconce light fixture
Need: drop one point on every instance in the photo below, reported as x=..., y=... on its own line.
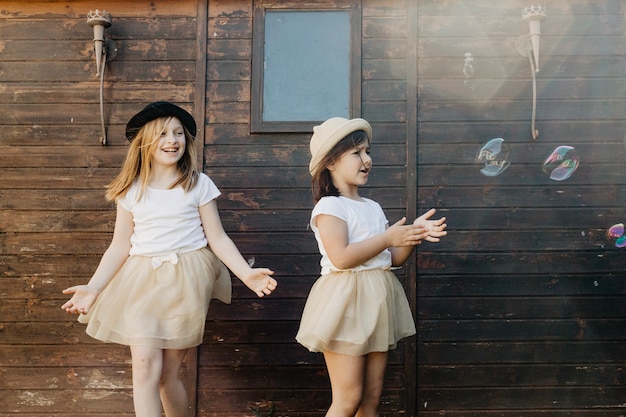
x=99, y=21
x=104, y=50
x=528, y=46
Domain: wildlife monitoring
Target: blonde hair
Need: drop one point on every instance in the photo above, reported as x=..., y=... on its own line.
x=138, y=161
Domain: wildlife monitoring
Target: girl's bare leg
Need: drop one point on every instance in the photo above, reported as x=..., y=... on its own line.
x=375, y=365
x=346, y=380
x=147, y=365
x=173, y=394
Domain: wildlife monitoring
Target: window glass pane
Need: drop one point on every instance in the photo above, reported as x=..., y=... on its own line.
x=306, y=65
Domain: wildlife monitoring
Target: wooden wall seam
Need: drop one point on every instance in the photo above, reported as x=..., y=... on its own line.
x=412, y=273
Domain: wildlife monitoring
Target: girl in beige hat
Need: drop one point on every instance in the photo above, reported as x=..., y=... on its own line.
x=357, y=310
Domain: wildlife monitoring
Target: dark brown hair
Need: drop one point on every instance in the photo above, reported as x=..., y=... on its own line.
x=322, y=183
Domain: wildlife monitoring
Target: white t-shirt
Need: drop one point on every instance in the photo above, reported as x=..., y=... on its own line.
x=364, y=219
x=168, y=221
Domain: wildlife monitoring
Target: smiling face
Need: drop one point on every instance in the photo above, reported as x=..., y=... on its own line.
x=171, y=144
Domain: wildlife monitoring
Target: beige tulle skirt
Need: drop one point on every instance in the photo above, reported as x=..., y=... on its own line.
x=355, y=313
x=163, y=307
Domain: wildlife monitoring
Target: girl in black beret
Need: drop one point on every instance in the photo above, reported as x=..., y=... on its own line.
x=152, y=288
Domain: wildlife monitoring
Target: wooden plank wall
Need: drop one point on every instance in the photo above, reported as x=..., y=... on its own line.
x=521, y=309
x=250, y=358
x=54, y=221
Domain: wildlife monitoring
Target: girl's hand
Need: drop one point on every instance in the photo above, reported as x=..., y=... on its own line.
x=260, y=281
x=435, y=228
x=81, y=301
x=399, y=234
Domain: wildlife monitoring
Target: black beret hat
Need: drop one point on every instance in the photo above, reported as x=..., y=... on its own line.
x=154, y=111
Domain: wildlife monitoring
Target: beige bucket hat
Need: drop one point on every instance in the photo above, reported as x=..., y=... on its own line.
x=329, y=133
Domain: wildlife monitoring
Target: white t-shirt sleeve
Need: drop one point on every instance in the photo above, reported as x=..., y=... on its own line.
x=206, y=189
x=330, y=206
x=127, y=200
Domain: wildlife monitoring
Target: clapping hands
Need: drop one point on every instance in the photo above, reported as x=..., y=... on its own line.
x=436, y=228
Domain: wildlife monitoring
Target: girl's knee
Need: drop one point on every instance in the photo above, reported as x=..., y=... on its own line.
x=147, y=367
x=172, y=363
x=373, y=392
x=347, y=402
x=342, y=409
x=370, y=402
x=168, y=379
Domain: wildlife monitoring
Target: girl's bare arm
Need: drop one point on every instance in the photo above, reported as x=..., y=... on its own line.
x=346, y=255
x=257, y=279
x=83, y=296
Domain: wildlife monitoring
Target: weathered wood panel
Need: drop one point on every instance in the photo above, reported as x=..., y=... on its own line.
x=265, y=182
x=55, y=222
x=520, y=310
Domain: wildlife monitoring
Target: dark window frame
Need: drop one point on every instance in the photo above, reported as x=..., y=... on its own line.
x=257, y=124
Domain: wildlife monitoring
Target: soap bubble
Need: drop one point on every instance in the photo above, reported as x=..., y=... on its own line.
x=615, y=235
x=495, y=155
x=561, y=163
